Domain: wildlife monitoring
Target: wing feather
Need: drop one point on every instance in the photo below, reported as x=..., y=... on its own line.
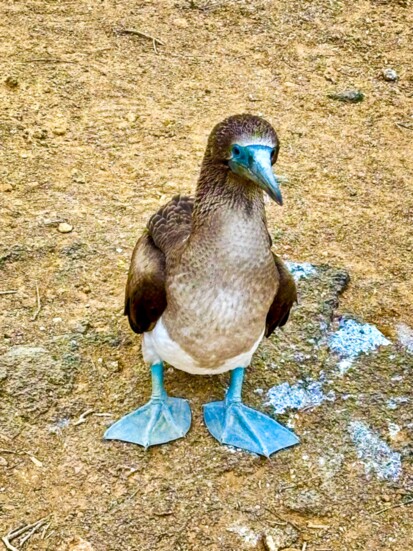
x=145, y=295
x=286, y=296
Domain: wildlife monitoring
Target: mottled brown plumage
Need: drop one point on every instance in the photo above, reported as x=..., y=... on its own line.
x=205, y=264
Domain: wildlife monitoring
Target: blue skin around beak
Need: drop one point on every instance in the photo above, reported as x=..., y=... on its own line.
x=254, y=163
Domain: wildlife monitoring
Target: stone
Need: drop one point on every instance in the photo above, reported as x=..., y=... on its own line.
x=113, y=366
x=280, y=537
x=11, y=82
x=307, y=502
x=64, y=227
x=131, y=117
x=80, y=327
x=348, y=96
x=40, y=134
x=3, y=373
x=59, y=128
x=123, y=125
x=6, y=187
x=76, y=544
x=3, y=462
x=405, y=336
x=81, y=545
x=389, y=75
x=181, y=23
x=77, y=176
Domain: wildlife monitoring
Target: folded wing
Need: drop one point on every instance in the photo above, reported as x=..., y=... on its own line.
x=145, y=296
x=286, y=296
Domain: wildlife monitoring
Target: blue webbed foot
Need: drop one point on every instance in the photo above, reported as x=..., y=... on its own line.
x=160, y=420
x=157, y=422
x=246, y=428
x=233, y=423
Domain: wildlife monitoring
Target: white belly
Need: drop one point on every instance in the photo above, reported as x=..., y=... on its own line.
x=158, y=346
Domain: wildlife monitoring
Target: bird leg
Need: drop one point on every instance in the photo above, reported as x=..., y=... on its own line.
x=160, y=420
x=233, y=423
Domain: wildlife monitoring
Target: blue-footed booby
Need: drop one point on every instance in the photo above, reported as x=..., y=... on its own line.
x=204, y=288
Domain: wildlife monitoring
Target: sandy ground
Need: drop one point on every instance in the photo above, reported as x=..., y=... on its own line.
x=97, y=129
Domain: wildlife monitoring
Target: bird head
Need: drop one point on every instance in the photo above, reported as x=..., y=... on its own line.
x=248, y=146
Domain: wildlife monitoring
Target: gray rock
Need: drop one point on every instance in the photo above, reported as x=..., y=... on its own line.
x=348, y=96
x=81, y=327
x=389, y=75
x=307, y=502
x=280, y=537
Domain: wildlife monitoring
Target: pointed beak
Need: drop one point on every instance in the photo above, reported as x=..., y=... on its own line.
x=254, y=162
x=261, y=172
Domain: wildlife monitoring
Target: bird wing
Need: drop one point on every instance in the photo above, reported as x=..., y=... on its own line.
x=279, y=311
x=172, y=224
x=145, y=296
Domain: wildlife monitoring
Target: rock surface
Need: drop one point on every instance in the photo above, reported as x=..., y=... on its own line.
x=34, y=379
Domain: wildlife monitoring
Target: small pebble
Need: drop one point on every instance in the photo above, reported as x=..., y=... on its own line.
x=80, y=327
x=64, y=227
x=81, y=545
x=11, y=82
x=74, y=345
x=270, y=544
x=3, y=462
x=40, y=134
x=348, y=96
x=389, y=75
x=59, y=128
x=113, y=366
x=78, y=176
x=131, y=117
x=277, y=538
x=181, y=23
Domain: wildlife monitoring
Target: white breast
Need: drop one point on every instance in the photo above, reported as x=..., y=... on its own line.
x=158, y=346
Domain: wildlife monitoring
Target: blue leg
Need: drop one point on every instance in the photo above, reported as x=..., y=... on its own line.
x=232, y=423
x=160, y=420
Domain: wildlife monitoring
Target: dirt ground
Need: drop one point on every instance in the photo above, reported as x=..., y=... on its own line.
x=97, y=129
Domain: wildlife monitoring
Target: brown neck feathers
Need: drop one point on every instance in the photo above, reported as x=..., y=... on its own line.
x=219, y=188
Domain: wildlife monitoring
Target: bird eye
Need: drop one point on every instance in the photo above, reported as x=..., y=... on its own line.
x=274, y=155
x=236, y=151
